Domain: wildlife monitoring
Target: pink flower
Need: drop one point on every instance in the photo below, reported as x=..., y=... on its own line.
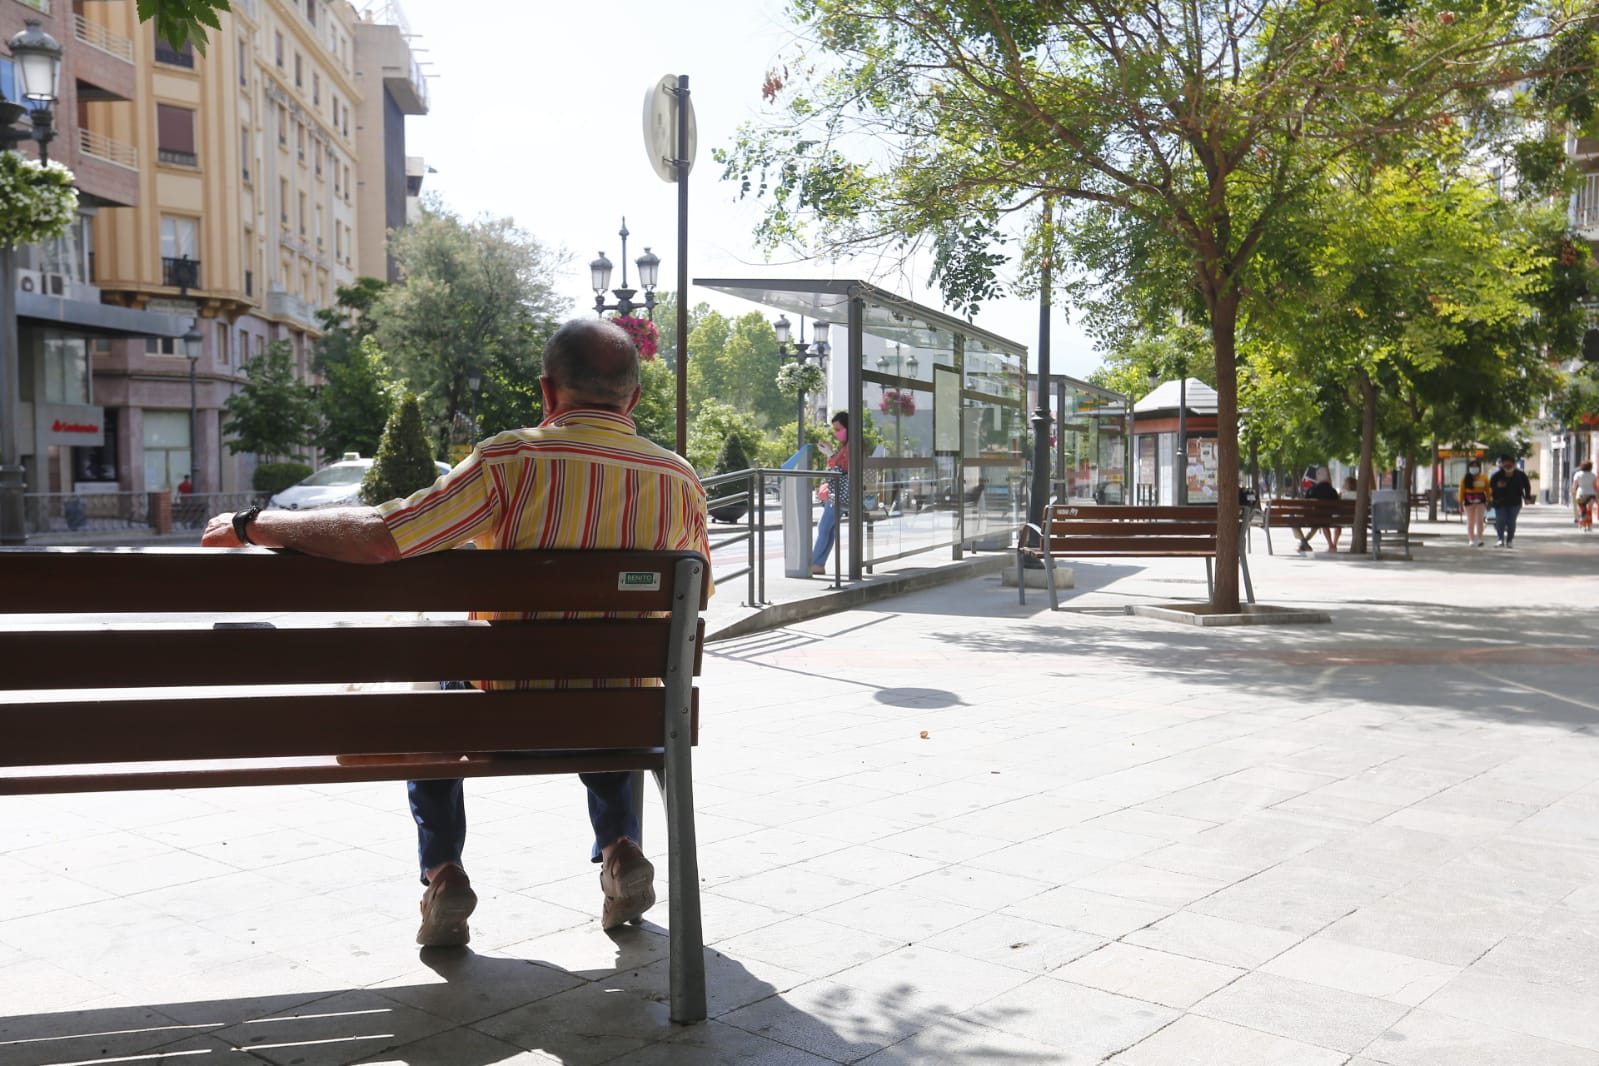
x=645, y=336
x=898, y=402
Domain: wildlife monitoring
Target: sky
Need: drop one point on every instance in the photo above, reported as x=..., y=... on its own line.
x=537, y=115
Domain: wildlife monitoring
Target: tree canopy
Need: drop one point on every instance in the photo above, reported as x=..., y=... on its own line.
x=1180, y=135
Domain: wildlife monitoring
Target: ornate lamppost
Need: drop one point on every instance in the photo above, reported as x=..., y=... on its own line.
x=36, y=59
x=800, y=350
x=649, y=271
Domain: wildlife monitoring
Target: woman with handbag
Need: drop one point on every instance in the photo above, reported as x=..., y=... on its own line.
x=827, y=528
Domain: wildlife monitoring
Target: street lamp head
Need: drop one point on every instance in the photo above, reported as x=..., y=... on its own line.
x=819, y=333
x=781, y=328
x=600, y=274
x=1154, y=379
x=37, y=56
x=473, y=382
x=882, y=364
x=649, y=269
x=192, y=341
x=912, y=365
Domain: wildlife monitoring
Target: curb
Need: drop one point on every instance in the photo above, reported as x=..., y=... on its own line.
x=869, y=591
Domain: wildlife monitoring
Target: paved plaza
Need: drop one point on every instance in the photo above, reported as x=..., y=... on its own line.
x=937, y=828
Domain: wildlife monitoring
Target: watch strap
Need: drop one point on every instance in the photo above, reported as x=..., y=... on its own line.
x=241, y=524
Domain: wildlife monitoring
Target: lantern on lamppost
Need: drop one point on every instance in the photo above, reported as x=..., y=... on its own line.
x=649, y=272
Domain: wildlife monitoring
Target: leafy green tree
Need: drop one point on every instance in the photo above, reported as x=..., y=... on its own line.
x=356, y=396
x=181, y=21
x=476, y=302
x=272, y=414
x=731, y=458
x=716, y=422
x=403, y=463
x=656, y=413
x=1179, y=135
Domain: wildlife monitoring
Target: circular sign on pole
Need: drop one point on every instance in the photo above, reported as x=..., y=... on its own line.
x=660, y=127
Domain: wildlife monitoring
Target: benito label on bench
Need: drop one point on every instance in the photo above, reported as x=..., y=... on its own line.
x=638, y=581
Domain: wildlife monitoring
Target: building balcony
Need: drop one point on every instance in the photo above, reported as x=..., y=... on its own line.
x=97, y=36
x=181, y=273
x=1585, y=208
x=100, y=146
x=283, y=304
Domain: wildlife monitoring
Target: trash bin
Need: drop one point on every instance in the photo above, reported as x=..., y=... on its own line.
x=796, y=494
x=1390, y=516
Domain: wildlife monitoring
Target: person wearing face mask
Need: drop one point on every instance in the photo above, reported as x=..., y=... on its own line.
x=1507, y=490
x=1474, y=501
x=827, y=528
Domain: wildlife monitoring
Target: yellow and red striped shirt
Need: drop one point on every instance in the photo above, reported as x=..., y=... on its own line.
x=582, y=479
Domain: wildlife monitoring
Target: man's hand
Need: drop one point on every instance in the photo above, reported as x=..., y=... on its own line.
x=219, y=532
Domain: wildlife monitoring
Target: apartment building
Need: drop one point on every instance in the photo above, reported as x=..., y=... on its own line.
x=60, y=425
x=220, y=198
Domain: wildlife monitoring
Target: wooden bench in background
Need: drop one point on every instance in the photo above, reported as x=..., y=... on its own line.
x=1087, y=531
x=1311, y=515
x=161, y=697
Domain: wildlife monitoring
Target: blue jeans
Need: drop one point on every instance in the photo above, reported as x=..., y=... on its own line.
x=439, y=807
x=826, y=533
x=1505, y=522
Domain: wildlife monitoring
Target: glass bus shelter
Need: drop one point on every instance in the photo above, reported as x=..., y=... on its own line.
x=942, y=442
x=1091, y=453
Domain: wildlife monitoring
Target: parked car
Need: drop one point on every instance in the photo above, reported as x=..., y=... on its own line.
x=335, y=485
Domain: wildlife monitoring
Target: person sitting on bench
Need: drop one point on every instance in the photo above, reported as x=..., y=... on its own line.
x=1322, y=490
x=582, y=479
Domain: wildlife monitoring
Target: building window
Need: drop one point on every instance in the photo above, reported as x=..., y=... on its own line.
x=177, y=57
x=319, y=229
x=175, y=135
x=299, y=139
x=278, y=49
x=66, y=369
x=166, y=448
x=283, y=202
x=316, y=89
x=283, y=125
x=222, y=345
x=299, y=72
x=180, y=242
x=244, y=153
x=244, y=63
x=302, y=214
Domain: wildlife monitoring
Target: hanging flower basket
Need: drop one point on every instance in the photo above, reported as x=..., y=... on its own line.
x=795, y=378
x=645, y=336
x=37, y=201
x=898, y=402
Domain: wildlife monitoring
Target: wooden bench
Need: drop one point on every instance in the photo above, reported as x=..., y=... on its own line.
x=141, y=688
x=1311, y=515
x=1087, y=531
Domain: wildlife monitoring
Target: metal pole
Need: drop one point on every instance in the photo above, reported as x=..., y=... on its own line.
x=1182, y=435
x=194, y=421
x=799, y=412
x=1041, y=418
x=13, y=478
x=682, y=162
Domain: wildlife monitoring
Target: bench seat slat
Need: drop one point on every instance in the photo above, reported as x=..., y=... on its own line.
x=402, y=652
x=343, y=723
x=1131, y=529
x=308, y=771
x=1132, y=545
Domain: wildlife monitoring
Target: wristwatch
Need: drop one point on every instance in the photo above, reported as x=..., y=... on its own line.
x=241, y=524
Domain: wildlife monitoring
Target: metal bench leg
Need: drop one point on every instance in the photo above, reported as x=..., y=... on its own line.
x=637, y=787
x=1210, y=580
x=686, y=947
x=1267, y=527
x=1249, y=586
x=1021, y=579
x=1049, y=579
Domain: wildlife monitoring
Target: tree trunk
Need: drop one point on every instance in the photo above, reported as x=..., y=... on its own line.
x=1367, y=476
x=1224, y=337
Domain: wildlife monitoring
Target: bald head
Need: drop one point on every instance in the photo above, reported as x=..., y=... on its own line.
x=591, y=363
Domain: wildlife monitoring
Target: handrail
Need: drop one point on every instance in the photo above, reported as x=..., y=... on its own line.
x=92, y=142
x=97, y=36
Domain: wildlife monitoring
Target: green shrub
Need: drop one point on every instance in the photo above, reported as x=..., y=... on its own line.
x=275, y=477
x=732, y=457
x=403, y=463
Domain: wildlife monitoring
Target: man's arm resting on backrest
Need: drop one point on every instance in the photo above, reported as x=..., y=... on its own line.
x=348, y=534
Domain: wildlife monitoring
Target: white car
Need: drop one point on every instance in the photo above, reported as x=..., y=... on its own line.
x=335, y=485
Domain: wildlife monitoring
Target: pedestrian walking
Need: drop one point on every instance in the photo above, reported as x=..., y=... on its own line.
x=1582, y=495
x=1474, y=501
x=1508, y=489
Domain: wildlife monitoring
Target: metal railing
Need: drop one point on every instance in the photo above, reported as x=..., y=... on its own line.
x=1585, y=206
x=96, y=36
x=182, y=272
x=734, y=506
x=100, y=146
x=124, y=512
x=178, y=157
x=165, y=53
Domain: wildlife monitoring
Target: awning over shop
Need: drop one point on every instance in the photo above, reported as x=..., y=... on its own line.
x=99, y=318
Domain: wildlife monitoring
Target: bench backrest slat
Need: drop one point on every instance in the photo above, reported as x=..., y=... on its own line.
x=90, y=580
x=223, y=727
x=553, y=650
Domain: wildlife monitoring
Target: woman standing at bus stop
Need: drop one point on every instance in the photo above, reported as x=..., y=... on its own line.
x=827, y=528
